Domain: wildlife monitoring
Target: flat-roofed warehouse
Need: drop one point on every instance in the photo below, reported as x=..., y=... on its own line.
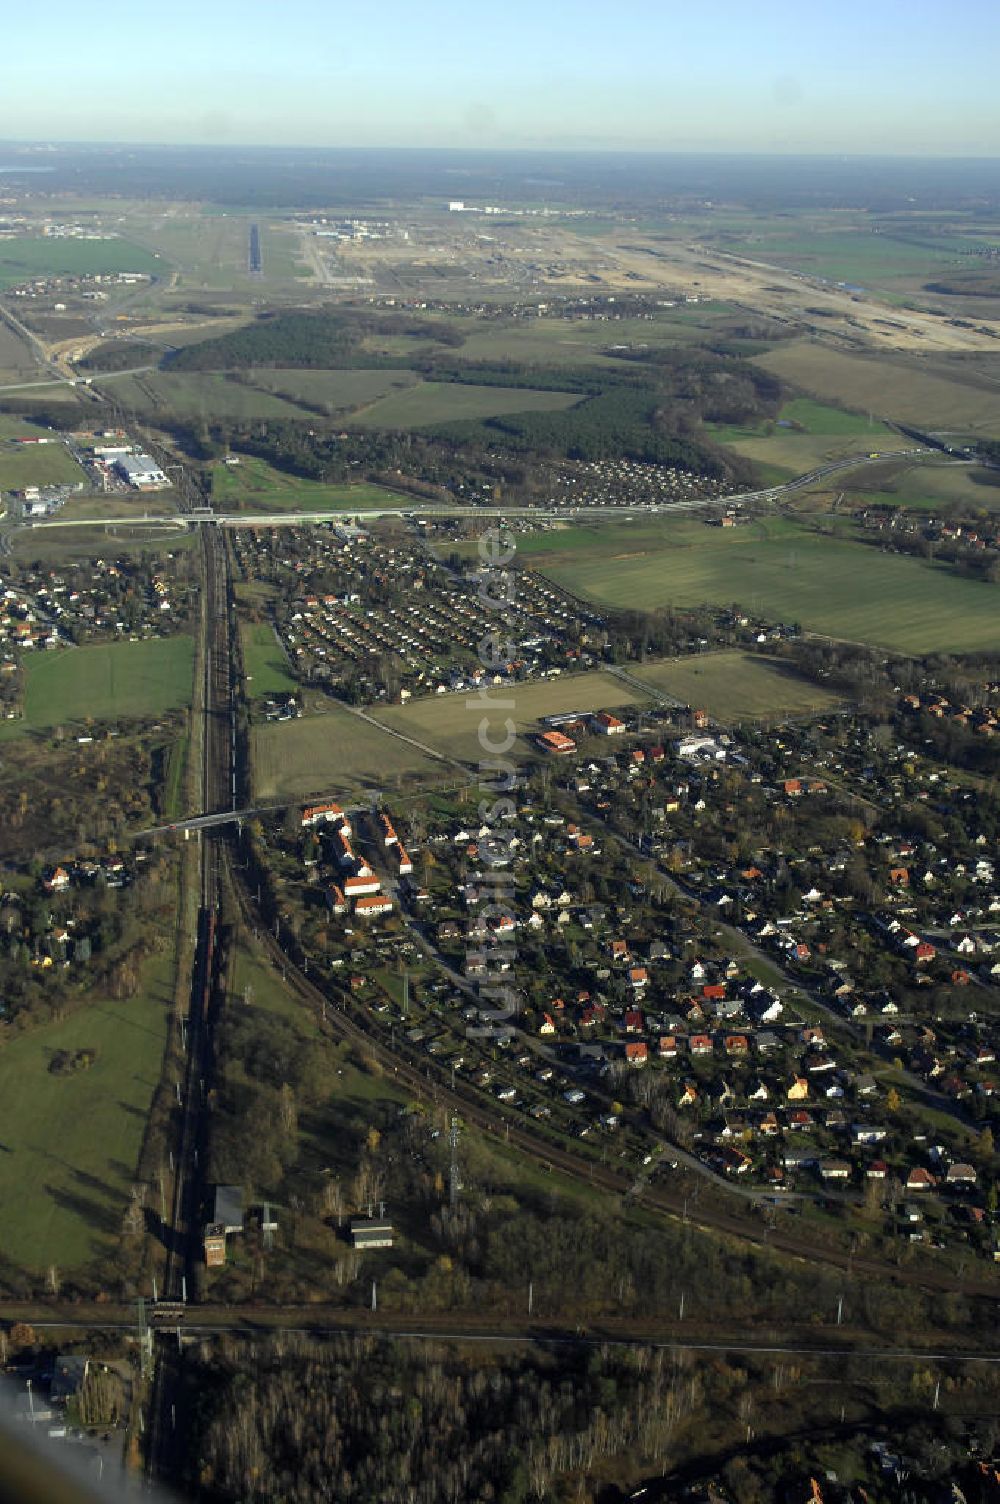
x=141, y=471
x=371, y=1232
x=229, y=1208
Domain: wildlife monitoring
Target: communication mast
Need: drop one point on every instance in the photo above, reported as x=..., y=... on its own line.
x=454, y=1185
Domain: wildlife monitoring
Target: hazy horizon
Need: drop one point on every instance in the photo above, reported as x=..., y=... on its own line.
x=45, y=143
x=274, y=176
x=562, y=76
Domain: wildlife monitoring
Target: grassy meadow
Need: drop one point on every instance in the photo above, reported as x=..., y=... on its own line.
x=932, y=486
x=264, y=662
x=59, y=545
x=330, y=752
x=48, y=464
x=582, y=342
x=17, y=358
x=25, y=256
x=70, y=1144
x=336, y=391
x=804, y=436
x=735, y=686
x=254, y=485
x=780, y=570
x=198, y=394
x=335, y=751
x=431, y=402
x=450, y=723
x=901, y=390
x=852, y=255
x=106, y=681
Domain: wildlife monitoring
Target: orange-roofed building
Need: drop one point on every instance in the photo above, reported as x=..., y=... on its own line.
x=555, y=742
x=371, y=905
x=315, y=814
x=389, y=835
x=607, y=724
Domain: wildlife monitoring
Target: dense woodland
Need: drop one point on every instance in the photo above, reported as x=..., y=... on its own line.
x=120, y=355
x=652, y=412
x=321, y=340
x=359, y=1418
x=297, y=1420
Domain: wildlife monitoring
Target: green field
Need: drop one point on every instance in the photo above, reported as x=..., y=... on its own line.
x=198, y=394
x=264, y=662
x=934, y=486
x=407, y=403
x=805, y=434
x=335, y=751
x=818, y=418
x=782, y=571
x=207, y=249
x=121, y=508
x=580, y=342
x=107, y=681
x=70, y=1144
x=903, y=390
x=48, y=464
x=855, y=256
x=28, y=256
x=14, y=427
x=734, y=686
x=331, y=752
x=254, y=485
x=433, y=402
x=17, y=359
x=336, y=391
x=450, y=723
x=59, y=545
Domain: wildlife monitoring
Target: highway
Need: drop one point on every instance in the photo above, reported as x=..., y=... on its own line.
x=485, y=514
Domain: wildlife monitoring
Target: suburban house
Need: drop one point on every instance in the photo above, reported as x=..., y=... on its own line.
x=606, y=724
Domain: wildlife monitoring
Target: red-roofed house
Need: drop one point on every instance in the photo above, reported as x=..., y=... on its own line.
x=316, y=814
x=371, y=905
x=920, y=1179
x=606, y=724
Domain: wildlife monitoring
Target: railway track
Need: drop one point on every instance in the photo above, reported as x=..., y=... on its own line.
x=182, y=1240
x=428, y=1079
x=218, y=793
x=425, y=1077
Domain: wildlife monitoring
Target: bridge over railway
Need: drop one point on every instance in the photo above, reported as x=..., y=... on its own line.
x=195, y=516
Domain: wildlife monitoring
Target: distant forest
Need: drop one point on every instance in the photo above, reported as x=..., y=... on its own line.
x=322, y=340
x=652, y=412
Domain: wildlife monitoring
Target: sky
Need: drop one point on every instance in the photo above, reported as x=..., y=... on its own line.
x=855, y=76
